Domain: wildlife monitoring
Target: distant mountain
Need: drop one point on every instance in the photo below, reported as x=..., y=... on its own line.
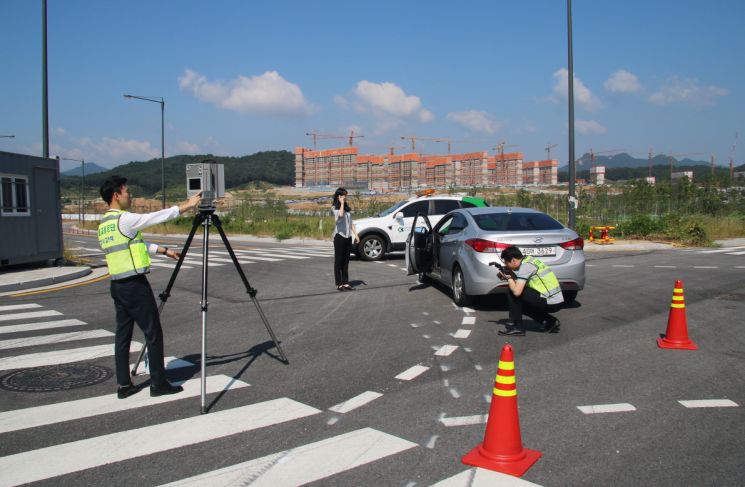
x=625, y=160
x=90, y=168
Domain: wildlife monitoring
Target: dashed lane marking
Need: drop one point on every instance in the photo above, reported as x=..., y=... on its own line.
x=116, y=447
x=446, y=350
x=622, y=265
x=355, y=402
x=461, y=333
x=412, y=372
x=468, y=320
x=307, y=463
x=665, y=266
x=607, y=408
x=705, y=267
x=709, y=403
x=20, y=419
x=464, y=420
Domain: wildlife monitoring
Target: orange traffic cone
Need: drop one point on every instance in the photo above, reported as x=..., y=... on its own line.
x=677, y=325
x=502, y=449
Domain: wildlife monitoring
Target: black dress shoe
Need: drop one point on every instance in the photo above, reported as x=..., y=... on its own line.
x=164, y=389
x=347, y=287
x=552, y=327
x=341, y=288
x=512, y=331
x=123, y=392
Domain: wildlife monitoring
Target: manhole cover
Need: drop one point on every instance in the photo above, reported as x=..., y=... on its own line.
x=55, y=378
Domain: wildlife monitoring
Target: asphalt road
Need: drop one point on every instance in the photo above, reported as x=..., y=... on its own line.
x=346, y=346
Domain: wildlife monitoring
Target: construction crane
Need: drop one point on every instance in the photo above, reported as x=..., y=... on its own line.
x=732, y=157
x=392, y=148
x=317, y=136
x=548, y=148
x=501, y=146
x=414, y=138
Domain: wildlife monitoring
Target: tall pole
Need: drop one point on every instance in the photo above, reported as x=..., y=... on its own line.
x=44, y=107
x=82, y=191
x=163, y=151
x=572, y=168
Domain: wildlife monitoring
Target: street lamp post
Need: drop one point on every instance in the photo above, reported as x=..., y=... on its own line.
x=570, y=75
x=158, y=99
x=82, y=183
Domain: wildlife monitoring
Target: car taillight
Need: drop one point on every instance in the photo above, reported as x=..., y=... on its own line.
x=576, y=244
x=481, y=245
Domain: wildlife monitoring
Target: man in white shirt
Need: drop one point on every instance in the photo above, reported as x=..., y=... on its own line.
x=127, y=257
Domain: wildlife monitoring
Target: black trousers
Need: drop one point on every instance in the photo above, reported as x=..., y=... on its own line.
x=342, y=249
x=531, y=304
x=134, y=302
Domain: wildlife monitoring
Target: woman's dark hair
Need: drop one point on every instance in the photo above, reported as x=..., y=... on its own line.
x=511, y=253
x=337, y=203
x=113, y=184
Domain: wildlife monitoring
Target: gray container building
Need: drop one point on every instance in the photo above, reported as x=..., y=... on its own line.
x=30, y=209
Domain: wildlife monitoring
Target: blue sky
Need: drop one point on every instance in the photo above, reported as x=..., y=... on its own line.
x=244, y=76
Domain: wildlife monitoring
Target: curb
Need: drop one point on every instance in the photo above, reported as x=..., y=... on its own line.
x=26, y=280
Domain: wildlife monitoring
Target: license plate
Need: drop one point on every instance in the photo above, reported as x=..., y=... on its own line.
x=539, y=251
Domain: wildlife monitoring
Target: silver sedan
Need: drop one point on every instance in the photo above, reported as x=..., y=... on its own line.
x=458, y=250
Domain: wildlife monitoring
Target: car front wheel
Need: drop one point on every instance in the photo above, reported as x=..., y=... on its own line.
x=372, y=247
x=460, y=296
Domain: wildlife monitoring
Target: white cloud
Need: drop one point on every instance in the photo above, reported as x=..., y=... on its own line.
x=589, y=127
x=268, y=93
x=184, y=147
x=622, y=81
x=476, y=120
x=59, y=131
x=582, y=94
x=387, y=99
x=677, y=90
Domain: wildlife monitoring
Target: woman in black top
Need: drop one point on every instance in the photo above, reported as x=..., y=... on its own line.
x=345, y=235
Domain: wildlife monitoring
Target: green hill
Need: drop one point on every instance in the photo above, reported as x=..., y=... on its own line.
x=144, y=177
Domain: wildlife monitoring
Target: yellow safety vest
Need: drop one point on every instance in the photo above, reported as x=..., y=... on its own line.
x=125, y=256
x=544, y=281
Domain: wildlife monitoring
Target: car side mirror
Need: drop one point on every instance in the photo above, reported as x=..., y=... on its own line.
x=399, y=215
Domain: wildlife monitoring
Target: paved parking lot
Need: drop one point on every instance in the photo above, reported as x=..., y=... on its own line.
x=388, y=385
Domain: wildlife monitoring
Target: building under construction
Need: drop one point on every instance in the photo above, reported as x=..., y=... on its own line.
x=345, y=167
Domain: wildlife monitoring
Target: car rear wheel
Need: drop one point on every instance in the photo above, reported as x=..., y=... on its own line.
x=460, y=296
x=372, y=247
x=569, y=296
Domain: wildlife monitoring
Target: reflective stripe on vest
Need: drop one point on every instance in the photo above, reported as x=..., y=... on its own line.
x=125, y=256
x=544, y=281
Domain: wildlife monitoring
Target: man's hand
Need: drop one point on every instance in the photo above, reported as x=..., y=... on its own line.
x=172, y=254
x=191, y=203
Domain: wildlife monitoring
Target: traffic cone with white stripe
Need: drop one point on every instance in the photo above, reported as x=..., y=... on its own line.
x=677, y=325
x=502, y=449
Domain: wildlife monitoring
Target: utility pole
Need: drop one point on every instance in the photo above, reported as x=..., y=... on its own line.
x=570, y=84
x=44, y=88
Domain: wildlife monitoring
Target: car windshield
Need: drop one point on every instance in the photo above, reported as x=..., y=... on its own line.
x=392, y=208
x=516, y=222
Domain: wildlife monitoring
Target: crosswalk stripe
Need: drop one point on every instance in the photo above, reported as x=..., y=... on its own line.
x=41, y=325
x=33, y=417
x=12, y=307
x=307, y=463
x=268, y=259
x=355, y=402
x=79, y=455
x=170, y=363
x=167, y=265
x=317, y=253
x=61, y=356
x=479, y=477
x=51, y=339
x=29, y=315
x=464, y=420
x=251, y=254
x=253, y=257
x=709, y=403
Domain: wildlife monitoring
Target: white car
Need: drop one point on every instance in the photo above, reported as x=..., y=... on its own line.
x=387, y=231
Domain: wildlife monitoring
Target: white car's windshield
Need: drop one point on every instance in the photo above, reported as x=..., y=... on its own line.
x=392, y=208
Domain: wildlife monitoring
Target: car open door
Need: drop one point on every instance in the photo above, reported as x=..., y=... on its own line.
x=419, y=248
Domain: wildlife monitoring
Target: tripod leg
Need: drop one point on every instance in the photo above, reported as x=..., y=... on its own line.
x=205, y=260
x=250, y=290
x=167, y=292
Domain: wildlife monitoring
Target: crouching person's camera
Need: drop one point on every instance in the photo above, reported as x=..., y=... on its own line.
x=503, y=273
x=207, y=177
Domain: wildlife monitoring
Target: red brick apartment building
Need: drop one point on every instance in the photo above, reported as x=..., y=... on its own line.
x=395, y=172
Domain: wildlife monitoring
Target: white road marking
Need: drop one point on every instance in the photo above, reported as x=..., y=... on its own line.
x=12, y=307
x=464, y=420
x=355, y=402
x=253, y=257
x=666, y=266
x=412, y=372
x=167, y=265
x=454, y=392
x=468, y=320
x=391, y=265
x=607, y=408
x=431, y=443
x=709, y=403
x=468, y=310
x=169, y=362
x=740, y=267
x=705, y=267
x=79, y=455
x=307, y=463
x=479, y=477
x=446, y=350
x=51, y=339
x=622, y=265
x=29, y=315
x=61, y=356
x=251, y=253
x=728, y=249
x=85, y=408
x=41, y=325
x=462, y=333
x=735, y=253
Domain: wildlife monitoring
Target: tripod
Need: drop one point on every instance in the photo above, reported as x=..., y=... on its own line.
x=206, y=218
